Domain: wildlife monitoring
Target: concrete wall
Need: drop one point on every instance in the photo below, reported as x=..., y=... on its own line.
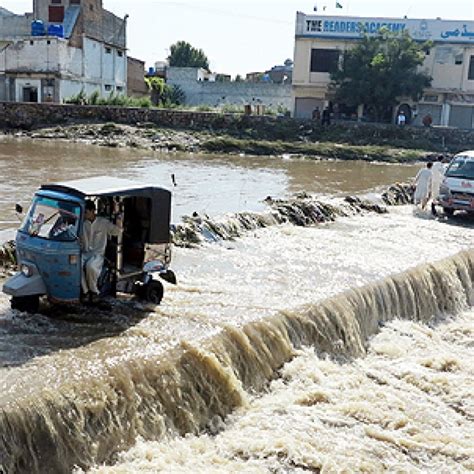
x=14, y=26
x=220, y=93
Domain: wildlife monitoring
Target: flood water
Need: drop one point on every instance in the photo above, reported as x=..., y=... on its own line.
x=75, y=390
x=210, y=184
x=406, y=407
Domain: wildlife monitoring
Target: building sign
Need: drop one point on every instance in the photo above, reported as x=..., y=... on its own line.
x=355, y=27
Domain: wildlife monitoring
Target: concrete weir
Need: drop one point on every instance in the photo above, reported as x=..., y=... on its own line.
x=81, y=421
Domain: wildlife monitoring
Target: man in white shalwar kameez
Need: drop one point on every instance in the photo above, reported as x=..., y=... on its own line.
x=423, y=183
x=94, y=242
x=438, y=171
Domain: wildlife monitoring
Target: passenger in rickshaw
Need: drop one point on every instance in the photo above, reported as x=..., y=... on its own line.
x=94, y=242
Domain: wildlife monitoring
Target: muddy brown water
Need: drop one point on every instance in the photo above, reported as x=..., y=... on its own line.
x=211, y=184
x=77, y=388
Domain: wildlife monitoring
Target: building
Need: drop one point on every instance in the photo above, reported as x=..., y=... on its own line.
x=136, y=85
x=202, y=88
x=321, y=41
x=62, y=48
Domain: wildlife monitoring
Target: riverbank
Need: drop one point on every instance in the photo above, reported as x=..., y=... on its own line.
x=148, y=136
x=190, y=130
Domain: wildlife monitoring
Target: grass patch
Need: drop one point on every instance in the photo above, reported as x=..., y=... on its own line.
x=322, y=150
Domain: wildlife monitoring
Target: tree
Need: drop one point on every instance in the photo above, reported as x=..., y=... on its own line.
x=380, y=70
x=163, y=94
x=182, y=54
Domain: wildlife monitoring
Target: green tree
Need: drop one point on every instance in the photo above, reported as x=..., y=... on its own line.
x=381, y=70
x=156, y=86
x=182, y=54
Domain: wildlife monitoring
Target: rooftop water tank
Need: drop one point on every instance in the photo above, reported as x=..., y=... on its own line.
x=56, y=30
x=37, y=28
x=151, y=71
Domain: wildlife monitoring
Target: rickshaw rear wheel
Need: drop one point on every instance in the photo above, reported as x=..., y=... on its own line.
x=154, y=292
x=25, y=304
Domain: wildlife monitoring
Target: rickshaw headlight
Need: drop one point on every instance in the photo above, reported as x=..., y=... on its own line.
x=26, y=270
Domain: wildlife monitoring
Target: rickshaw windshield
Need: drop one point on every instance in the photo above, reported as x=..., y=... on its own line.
x=52, y=219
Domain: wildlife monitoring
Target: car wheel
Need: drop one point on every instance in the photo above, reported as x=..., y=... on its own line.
x=25, y=304
x=448, y=211
x=154, y=292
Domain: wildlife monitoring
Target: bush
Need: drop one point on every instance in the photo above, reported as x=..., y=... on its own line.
x=118, y=100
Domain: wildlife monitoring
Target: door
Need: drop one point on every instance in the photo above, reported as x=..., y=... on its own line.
x=30, y=94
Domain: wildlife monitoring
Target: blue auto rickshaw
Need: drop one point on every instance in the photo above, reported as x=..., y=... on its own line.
x=48, y=242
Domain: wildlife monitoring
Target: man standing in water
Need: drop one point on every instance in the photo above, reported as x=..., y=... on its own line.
x=437, y=178
x=423, y=182
x=94, y=242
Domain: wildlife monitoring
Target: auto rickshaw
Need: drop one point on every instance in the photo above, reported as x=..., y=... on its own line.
x=48, y=242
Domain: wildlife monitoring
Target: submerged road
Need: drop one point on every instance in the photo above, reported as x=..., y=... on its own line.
x=105, y=370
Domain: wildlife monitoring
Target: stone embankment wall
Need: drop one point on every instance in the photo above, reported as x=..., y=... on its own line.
x=29, y=116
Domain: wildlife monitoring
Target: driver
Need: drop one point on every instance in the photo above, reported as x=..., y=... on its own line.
x=94, y=241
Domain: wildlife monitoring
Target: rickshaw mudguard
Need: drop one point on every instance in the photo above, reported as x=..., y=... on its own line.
x=19, y=285
x=58, y=264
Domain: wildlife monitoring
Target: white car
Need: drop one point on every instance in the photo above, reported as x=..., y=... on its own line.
x=457, y=190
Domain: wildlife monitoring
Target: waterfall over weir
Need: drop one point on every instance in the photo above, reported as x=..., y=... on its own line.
x=87, y=421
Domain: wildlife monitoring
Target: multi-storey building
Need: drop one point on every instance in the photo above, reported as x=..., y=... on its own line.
x=62, y=48
x=321, y=41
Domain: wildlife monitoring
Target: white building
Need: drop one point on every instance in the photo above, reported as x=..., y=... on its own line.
x=88, y=53
x=321, y=41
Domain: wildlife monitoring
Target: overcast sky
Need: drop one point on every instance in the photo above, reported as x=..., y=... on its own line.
x=241, y=36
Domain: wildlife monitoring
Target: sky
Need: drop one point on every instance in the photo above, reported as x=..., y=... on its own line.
x=241, y=36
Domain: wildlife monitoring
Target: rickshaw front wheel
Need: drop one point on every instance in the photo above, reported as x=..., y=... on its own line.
x=25, y=304
x=154, y=292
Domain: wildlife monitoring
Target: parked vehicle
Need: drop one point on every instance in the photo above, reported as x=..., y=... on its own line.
x=457, y=190
x=48, y=242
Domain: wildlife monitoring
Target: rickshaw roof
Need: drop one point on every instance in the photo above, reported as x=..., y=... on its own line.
x=103, y=186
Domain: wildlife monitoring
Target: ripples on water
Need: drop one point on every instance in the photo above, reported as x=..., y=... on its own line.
x=205, y=349
x=211, y=184
x=74, y=391
x=406, y=407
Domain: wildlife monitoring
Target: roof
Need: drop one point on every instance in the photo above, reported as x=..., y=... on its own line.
x=469, y=153
x=101, y=186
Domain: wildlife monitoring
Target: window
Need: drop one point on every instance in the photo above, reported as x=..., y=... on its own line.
x=471, y=69
x=57, y=2
x=458, y=59
x=75, y=2
x=324, y=60
x=56, y=14
x=91, y=7
x=52, y=219
x=108, y=87
x=108, y=50
x=48, y=41
x=120, y=53
x=119, y=88
x=32, y=43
